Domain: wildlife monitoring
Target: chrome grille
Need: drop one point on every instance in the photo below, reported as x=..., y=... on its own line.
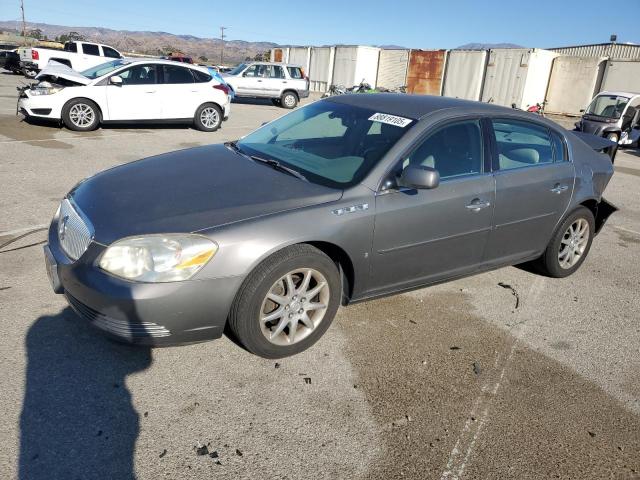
x=74, y=233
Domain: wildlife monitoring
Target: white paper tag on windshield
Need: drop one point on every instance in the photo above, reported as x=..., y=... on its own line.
x=390, y=119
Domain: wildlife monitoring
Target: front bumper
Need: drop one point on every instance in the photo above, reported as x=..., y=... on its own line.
x=154, y=314
x=41, y=106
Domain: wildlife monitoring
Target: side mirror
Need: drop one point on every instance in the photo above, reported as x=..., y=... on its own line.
x=419, y=177
x=115, y=80
x=582, y=110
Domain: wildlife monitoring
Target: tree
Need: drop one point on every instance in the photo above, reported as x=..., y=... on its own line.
x=75, y=36
x=262, y=57
x=35, y=33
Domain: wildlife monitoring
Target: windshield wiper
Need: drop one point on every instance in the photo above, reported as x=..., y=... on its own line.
x=278, y=166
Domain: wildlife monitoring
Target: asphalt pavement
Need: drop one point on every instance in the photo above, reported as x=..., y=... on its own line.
x=505, y=375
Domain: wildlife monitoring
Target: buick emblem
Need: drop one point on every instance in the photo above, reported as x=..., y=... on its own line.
x=62, y=227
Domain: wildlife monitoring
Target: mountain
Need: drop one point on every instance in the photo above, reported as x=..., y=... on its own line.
x=486, y=46
x=153, y=43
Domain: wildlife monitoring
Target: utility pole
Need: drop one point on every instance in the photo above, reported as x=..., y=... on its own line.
x=24, y=29
x=222, y=29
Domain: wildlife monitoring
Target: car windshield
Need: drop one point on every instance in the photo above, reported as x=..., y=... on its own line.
x=330, y=143
x=609, y=106
x=238, y=69
x=103, y=68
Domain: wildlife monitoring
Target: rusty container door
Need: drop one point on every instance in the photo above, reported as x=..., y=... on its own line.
x=424, y=75
x=277, y=55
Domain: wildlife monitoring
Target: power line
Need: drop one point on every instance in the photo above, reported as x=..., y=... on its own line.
x=222, y=35
x=23, y=24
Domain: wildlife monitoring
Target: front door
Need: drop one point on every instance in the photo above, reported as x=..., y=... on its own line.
x=534, y=184
x=250, y=82
x=137, y=97
x=423, y=236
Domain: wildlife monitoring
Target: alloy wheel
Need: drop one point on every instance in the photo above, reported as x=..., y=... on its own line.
x=209, y=117
x=289, y=100
x=81, y=115
x=294, y=306
x=573, y=243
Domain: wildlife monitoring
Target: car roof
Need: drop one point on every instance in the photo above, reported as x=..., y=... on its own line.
x=415, y=106
x=133, y=60
x=282, y=64
x=619, y=94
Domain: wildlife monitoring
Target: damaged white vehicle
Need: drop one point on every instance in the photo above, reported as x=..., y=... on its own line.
x=127, y=90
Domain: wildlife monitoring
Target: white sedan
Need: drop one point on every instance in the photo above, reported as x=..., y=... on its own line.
x=127, y=90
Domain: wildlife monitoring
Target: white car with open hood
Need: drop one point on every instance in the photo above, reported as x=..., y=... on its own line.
x=127, y=90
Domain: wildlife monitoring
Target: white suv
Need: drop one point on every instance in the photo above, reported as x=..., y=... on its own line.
x=284, y=84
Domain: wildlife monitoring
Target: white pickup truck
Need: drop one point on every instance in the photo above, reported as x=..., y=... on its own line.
x=77, y=55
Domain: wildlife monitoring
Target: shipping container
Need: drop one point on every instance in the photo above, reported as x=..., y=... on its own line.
x=321, y=68
x=573, y=83
x=300, y=56
x=464, y=74
x=392, y=69
x=517, y=76
x=424, y=75
x=621, y=75
x=615, y=51
x=277, y=55
x=354, y=64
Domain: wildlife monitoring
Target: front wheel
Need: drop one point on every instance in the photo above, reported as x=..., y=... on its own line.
x=569, y=245
x=81, y=115
x=208, y=118
x=287, y=303
x=614, y=137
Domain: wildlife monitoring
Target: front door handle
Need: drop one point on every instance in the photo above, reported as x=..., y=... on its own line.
x=259, y=81
x=476, y=205
x=557, y=188
x=150, y=91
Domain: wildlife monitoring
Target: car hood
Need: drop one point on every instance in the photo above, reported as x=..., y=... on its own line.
x=55, y=70
x=187, y=191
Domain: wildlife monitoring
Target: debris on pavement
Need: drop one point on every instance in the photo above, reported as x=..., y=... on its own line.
x=239, y=452
x=454, y=348
x=277, y=365
x=307, y=380
x=513, y=292
x=164, y=452
x=213, y=454
x=476, y=368
x=201, y=449
x=591, y=434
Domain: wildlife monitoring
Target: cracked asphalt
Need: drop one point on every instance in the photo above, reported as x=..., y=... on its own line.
x=505, y=375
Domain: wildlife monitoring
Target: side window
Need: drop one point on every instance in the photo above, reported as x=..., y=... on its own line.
x=176, y=74
x=295, y=72
x=252, y=71
x=559, y=148
x=454, y=150
x=521, y=144
x=90, y=49
x=71, y=47
x=110, y=52
x=200, y=77
x=276, y=71
x=139, y=75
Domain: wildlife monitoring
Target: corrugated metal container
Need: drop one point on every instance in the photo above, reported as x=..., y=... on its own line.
x=464, y=74
x=354, y=64
x=300, y=56
x=622, y=75
x=321, y=68
x=392, y=68
x=424, y=75
x=612, y=50
x=276, y=55
x=517, y=76
x=573, y=83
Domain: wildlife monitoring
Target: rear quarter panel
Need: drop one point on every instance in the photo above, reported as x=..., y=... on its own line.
x=593, y=171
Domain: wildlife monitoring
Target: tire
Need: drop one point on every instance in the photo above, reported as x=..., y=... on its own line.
x=551, y=262
x=208, y=117
x=81, y=115
x=272, y=338
x=29, y=73
x=614, y=137
x=289, y=100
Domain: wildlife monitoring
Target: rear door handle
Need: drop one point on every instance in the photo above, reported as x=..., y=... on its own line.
x=150, y=91
x=476, y=205
x=559, y=188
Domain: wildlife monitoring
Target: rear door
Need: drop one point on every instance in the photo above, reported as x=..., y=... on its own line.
x=297, y=80
x=423, y=236
x=178, y=93
x=90, y=57
x=137, y=97
x=534, y=183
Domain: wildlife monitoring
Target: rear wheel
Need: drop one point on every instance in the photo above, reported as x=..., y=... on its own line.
x=287, y=303
x=208, y=118
x=570, y=244
x=81, y=115
x=614, y=137
x=289, y=100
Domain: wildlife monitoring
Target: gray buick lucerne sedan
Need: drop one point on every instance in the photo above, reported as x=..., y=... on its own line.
x=346, y=199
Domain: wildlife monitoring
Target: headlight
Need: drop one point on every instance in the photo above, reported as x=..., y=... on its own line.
x=45, y=90
x=158, y=258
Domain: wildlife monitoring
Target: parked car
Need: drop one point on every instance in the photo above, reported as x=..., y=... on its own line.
x=141, y=90
x=10, y=60
x=346, y=199
x=284, y=84
x=180, y=58
x=613, y=115
x=76, y=55
x=216, y=75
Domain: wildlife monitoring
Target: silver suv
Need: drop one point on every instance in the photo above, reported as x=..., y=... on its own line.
x=284, y=84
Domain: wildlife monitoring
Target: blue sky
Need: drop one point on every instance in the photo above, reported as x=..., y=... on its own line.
x=410, y=23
